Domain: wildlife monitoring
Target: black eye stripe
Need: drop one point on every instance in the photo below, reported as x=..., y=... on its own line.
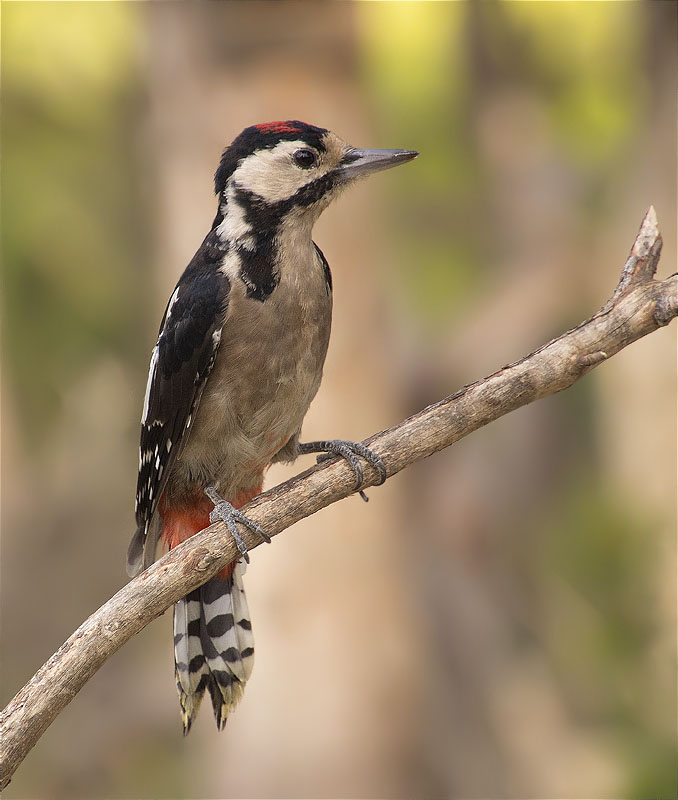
x=305, y=158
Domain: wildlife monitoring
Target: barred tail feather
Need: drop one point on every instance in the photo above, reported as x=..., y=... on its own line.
x=214, y=646
x=190, y=668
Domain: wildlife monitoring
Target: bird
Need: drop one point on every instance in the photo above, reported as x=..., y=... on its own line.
x=238, y=360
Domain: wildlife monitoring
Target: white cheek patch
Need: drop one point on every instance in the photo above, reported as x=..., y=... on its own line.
x=234, y=226
x=272, y=174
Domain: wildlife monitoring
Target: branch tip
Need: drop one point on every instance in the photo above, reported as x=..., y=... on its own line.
x=650, y=220
x=648, y=236
x=641, y=264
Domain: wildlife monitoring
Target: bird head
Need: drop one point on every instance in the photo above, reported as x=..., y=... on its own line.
x=279, y=167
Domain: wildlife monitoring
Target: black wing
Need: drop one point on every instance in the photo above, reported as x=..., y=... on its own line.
x=326, y=268
x=181, y=362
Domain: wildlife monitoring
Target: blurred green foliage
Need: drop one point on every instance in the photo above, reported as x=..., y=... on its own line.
x=421, y=59
x=583, y=58
x=415, y=60
x=71, y=238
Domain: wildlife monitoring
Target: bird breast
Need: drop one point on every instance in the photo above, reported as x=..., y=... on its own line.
x=267, y=371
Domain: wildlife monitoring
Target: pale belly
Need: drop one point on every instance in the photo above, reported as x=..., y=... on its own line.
x=268, y=370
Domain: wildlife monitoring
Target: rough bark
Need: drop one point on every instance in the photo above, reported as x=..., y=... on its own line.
x=638, y=306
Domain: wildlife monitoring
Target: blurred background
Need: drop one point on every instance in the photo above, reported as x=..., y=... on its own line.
x=499, y=621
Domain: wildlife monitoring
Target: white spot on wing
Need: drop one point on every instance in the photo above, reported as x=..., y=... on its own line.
x=149, y=383
x=170, y=305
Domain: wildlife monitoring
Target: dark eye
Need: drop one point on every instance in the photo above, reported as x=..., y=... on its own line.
x=305, y=158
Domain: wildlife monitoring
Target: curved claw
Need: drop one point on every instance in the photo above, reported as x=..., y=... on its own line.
x=224, y=512
x=349, y=451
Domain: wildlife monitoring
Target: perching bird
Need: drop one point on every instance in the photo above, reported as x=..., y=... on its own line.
x=238, y=360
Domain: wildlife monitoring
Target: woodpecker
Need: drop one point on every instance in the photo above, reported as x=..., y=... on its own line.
x=238, y=360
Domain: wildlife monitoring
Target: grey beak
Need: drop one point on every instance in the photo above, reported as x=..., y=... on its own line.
x=357, y=163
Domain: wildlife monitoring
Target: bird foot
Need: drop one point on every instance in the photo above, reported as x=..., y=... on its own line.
x=351, y=452
x=224, y=512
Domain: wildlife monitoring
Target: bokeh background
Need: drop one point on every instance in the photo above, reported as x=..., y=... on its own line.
x=499, y=621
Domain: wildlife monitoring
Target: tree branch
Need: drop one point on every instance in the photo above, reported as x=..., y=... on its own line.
x=638, y=306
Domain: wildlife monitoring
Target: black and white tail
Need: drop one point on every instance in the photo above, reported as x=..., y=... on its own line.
x=213, y=646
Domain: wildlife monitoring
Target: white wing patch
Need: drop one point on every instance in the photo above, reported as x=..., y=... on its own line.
x=154, y=358
x=151, y=376
x=172, y=301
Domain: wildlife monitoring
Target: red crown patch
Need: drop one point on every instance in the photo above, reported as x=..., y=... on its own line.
x=278, y=127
